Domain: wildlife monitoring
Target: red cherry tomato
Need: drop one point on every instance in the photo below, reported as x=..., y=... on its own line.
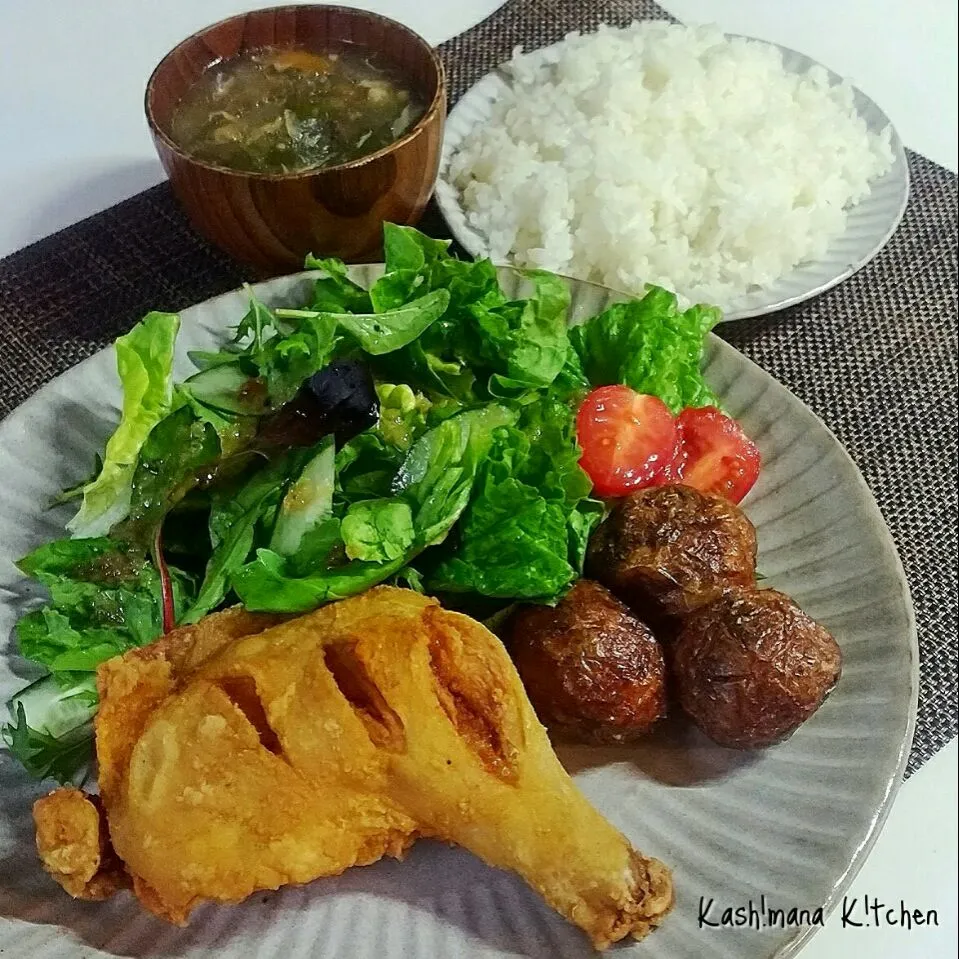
x=627, y=439
x=717, y=456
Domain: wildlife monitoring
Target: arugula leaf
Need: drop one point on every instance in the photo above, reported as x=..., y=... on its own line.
x=254, y=325
x=209, y=359
x=229, y=554
x=145, y=366
x=379, y=333
x=76, y=491
x=287, y=359
x=652, y=347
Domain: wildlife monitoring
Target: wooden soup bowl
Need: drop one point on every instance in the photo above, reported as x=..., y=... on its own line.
x=270, y=221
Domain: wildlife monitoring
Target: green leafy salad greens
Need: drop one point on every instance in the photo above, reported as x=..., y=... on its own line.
x=238, y=484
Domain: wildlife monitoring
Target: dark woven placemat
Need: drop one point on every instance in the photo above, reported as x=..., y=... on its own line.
x=876, y=357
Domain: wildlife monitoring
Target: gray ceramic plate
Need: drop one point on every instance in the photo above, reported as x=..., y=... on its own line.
x=869, y=225
x=794, y=822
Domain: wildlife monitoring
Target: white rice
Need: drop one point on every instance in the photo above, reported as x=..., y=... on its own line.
x=669, y=155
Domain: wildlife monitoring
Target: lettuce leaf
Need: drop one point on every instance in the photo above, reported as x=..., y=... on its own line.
x=378, y=530
x=381, y=332
x=235, y=514
x=336, y=292
x=105, y=598
x=168, y=467
x=426, y=497
x=534, y=347
x=514, y=545
x=524, y=534
x=650, y=345
x=145, y=365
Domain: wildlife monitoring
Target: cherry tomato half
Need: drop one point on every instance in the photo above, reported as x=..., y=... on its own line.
x=717, y=456
x=627, y=439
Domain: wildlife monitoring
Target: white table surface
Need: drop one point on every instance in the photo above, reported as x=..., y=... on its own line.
x=74, y=142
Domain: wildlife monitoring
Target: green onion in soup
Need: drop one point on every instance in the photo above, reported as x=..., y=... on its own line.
x=277, y=110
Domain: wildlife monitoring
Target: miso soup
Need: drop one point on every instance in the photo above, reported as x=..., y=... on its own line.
x=282, y=110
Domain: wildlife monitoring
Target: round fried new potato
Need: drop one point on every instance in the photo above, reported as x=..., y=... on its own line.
x=591, y=669
x=668, y=550
x=751, y=667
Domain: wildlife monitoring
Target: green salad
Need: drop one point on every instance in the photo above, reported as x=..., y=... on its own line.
x=421, y=432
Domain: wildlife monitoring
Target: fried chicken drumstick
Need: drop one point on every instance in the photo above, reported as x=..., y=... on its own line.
x=243, y=754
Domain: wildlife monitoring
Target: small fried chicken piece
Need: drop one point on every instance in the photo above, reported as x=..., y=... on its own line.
x=591, y=669
x=73, y=845
x=336, y=738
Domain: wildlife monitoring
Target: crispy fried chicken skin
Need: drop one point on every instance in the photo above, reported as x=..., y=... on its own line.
x=74, y=847
x=751, y=667
x=256, y=754
x=591, y=669
x=667, y=550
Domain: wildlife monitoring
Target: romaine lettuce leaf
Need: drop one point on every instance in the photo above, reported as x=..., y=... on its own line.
x=535, y=346
x=513, y=545
x=650, y=345
x=438, y=473
x=523, y=535
x=145, y=365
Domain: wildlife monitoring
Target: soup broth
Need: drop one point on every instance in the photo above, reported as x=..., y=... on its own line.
x=282, y=110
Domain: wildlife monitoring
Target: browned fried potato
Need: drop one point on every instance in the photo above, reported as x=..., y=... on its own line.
x=751, y=667
x=668, y=550
x=591, y=669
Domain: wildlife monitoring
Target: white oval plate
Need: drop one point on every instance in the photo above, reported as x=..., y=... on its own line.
x=793, y=823
x=869, y=225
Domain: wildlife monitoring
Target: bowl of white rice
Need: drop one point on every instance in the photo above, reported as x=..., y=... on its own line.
x=730, y=170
